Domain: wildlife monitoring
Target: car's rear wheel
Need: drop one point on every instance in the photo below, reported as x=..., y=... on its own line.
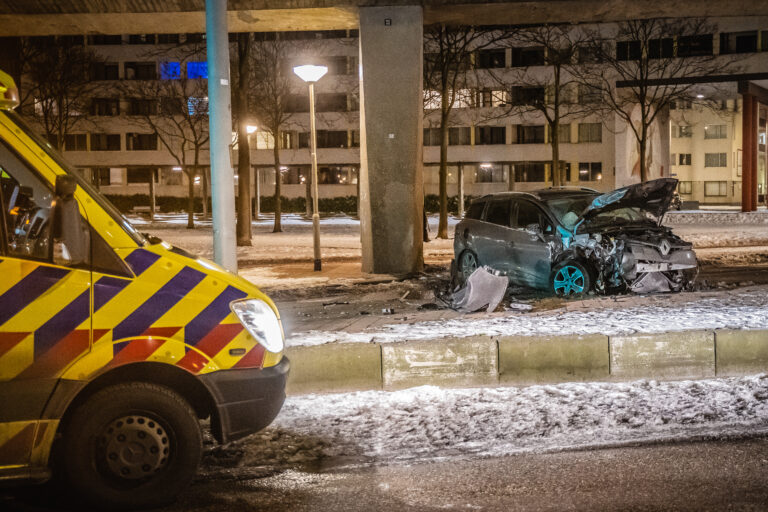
x=570, y=278
x=467, y=265
x=130, y=446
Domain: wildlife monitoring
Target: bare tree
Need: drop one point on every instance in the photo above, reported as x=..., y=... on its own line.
x=643, y=67
x=544, y=84
x=179, y=118
x=57, y=88
x=269, y=95
x=243, y=79
x=447, y=59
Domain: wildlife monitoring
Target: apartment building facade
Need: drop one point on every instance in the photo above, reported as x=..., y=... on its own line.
x=491, y=146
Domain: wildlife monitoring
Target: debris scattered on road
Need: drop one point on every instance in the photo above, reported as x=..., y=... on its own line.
x=481, y=289
x=388, y=311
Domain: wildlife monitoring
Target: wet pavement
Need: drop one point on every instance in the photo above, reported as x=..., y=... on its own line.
x=700, y=476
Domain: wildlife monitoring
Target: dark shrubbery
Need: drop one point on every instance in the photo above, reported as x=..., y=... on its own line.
x=168, y=204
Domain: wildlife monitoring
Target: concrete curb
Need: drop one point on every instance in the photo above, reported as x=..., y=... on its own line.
x=523, y=360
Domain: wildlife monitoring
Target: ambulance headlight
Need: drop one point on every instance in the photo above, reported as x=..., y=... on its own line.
x=260, y=321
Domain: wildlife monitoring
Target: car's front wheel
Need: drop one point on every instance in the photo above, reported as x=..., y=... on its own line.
x=130, y=446
x=570, y=278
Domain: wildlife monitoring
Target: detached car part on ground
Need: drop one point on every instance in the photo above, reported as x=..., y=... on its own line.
x=114, y=344
x=575, y=240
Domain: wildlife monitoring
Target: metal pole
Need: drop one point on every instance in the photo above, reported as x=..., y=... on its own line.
x=313, y=150
x=220, y=123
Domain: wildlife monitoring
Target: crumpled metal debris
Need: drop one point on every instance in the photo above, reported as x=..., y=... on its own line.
x=482, y=288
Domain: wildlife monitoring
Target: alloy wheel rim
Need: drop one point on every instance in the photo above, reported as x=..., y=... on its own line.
x=569, y=280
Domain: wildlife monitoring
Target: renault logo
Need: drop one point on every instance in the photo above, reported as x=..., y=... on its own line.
x=664, y=247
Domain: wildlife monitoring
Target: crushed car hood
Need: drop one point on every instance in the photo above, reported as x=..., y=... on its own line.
x=652, y=196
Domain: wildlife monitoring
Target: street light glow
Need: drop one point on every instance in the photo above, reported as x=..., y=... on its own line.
x=310, y=73
x=251, y=128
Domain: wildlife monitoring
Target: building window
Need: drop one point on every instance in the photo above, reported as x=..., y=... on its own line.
x=76, y=142
x=105, y=142
x=263, y=140
x=530, y=134
x=685, y=188
x=715, y=188
x=170, y=70
x=142, y=107
x=459, y=136
x=331, y=102
x=590, y=132
x=528, y=56
x=683, y=131
x=171, y=106
x=140, y=71
x=491, y=173
x=694, y=46
x=100, y=176
x=661, y=48
x=431, y=136
x=326, y=139
x=715, y=160
x=105, y=107
x=195, y=37
x=487, y=59
x=490, y=135
x=491, y=98
x=141, y=39
x=684, y=159
x=738, y=42
x=715, y=131
x=519, y=95
x=197, y=106
x=141, y=174
x=590, y=171
x=105, y=39
x=297, y=103
x=589, y=94
x=336, y=65
x=168, y=38
x=530, y=172
x=680, y=105
x=141, y=142
x=628, y=50
x=197, y=69
x=337, y=175
x=564, y=134
x=105, y=71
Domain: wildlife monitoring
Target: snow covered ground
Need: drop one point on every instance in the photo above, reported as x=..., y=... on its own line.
x=431, y=423
x=745, y=308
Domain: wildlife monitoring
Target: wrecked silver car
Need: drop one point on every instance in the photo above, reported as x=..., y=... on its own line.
x=575, y=240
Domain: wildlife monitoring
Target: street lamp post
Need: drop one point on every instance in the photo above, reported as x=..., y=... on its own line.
x=312, y=74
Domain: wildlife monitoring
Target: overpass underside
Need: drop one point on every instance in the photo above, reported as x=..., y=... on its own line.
x=391, y=57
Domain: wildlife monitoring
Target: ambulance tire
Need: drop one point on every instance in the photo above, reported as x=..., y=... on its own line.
x=152, y=419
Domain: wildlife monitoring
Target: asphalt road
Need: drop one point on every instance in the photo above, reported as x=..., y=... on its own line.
x=700, y=476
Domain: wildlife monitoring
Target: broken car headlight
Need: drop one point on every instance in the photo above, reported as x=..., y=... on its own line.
x=260, y=321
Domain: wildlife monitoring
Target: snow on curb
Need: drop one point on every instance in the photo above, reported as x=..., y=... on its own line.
x=431, y=423
x=709, y=217
x=741, y=310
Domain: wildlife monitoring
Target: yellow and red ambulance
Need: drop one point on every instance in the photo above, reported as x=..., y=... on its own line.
x=114, y=344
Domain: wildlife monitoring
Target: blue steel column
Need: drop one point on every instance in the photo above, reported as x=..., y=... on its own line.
x=220, y=123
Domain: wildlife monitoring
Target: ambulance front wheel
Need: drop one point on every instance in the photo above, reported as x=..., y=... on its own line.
x=131, y=446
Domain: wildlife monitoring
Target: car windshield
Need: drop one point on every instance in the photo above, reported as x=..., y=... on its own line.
x=569, y=209
x=95, y=194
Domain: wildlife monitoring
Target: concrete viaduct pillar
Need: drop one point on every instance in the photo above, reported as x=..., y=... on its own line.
x=391, y=104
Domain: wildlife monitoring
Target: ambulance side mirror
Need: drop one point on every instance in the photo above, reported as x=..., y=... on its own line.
x=70, y=234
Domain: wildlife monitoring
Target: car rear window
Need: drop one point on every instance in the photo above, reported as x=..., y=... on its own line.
x=475, y=210
x=498, y=212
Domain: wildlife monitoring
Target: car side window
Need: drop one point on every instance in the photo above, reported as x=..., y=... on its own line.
x=529, y=214
x=26, y=203
x=475, y=210
x=499, y=212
